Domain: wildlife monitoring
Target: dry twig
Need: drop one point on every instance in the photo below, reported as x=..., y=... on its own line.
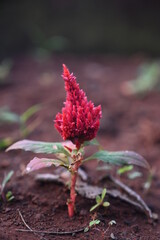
x=37, y=232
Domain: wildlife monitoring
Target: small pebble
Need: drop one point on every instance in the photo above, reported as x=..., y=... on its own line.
x=112, y=236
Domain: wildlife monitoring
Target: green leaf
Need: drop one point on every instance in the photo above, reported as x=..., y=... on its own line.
x=6, y=116
x=119, y=158
x=103, y=194
x=29, y=113
x=39, y=147
x=5, y=142
x=94, y=222
x=134, y=175
x=98, y=199
x=9, y=196
x=10, y=199
x=86, y=229
x=147, y=185
x=94, y=207
x=146, y=80
x=6, y=180
x=106, y=204
x=92, y=142
x=124, y=169
x=38, y=163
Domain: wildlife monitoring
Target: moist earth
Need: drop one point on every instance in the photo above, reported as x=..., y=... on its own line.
x=128, y=123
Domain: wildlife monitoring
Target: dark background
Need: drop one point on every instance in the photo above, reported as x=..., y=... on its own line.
x=44, y=27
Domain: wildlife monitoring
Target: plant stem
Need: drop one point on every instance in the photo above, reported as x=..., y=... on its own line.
x=71, y=201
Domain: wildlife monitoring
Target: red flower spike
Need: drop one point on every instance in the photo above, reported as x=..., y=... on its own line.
x=79, y=120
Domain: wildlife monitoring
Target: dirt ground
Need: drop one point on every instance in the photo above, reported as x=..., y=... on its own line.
x=128, y=123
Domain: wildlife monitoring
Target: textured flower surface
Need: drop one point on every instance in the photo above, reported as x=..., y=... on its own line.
x=80, y=119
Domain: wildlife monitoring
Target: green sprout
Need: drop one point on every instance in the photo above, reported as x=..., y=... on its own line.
x=128, y=169
x=100, y=201
x=134, y=175
x=124, y=169
x=148, y=183
x=91, y=224
x=8, y=196
x=148, y=79
x=9, y=117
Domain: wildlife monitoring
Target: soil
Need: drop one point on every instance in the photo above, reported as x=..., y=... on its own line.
x=128, y=123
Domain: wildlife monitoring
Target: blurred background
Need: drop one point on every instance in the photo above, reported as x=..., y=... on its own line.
x=119, y=27
x=112, y=47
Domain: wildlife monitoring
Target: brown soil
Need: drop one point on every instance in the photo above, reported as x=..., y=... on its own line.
x=127, y=123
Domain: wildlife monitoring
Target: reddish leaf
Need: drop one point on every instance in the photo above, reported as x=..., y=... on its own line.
x=38, y=163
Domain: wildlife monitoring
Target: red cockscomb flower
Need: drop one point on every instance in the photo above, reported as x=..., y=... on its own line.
x=79, y=120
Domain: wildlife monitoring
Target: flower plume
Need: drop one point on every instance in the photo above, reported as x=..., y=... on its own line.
x=80, y=119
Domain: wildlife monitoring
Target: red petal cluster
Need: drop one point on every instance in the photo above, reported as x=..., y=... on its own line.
x=79, y=120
